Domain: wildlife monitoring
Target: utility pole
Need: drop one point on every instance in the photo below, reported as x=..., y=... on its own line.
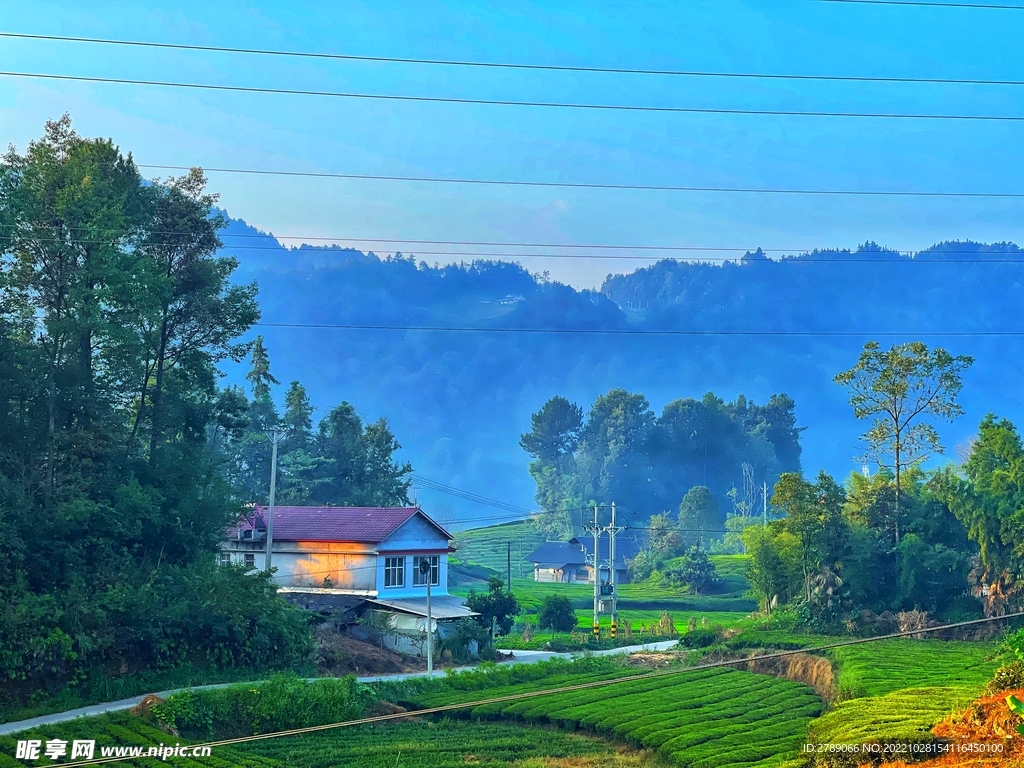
x=508, y=566
x=764, y=498
x=612, y=530
x=596, y=562
x=275, y=438
x=425, y=571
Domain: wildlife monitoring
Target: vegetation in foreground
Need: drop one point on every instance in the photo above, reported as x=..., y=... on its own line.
x=417, y=744
x=717, y=717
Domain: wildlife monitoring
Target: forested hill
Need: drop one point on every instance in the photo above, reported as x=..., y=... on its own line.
x=458, y=401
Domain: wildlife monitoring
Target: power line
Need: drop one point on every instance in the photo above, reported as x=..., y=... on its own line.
x=926, y=4
x=583, y=185
x=513, y=103
x=795, y=255
x=572, y=688
x=433, y=485
x=589, y=185
x=509, y=65
x=505, y=244
x=634, y=331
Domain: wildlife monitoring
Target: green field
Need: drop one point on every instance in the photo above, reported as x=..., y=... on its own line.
x=875, y=669
x=446, y=744
x=489, y=547
x=422, y=744
x=701, y=719
x=902, y=717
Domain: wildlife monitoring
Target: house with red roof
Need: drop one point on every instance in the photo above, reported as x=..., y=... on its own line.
x=352, y=559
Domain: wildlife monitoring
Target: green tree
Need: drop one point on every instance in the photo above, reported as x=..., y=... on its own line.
x=557, y=614
x=774, y=564
x=896, y=389
x=696, y=572
x=698, y=511
x=298, y=416
x=813, y=515
x=664, y=539
x=555, y=430
x=494, y=606
x=989, y=501
x=612, y=457
x=114, y=313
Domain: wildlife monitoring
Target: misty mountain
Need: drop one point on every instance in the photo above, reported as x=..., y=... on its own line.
x=458, y=400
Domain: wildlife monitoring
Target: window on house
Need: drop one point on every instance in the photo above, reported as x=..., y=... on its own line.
x=394, y=571
x=225, y=558
x=250, y=561
x=419, y=579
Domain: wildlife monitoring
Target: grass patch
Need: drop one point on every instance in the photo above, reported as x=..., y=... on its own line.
x=643, y=596
x=103, y=689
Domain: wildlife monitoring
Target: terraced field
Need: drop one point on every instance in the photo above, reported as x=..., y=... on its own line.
x=446, y=744
x=902, y=717
x=875, y=669
x=123, y=730
x=703, y=719
x=489, y=547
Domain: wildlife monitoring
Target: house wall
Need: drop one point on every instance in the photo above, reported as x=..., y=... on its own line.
x=350, y=566
x=547, y=575
x=354, y=567
x=415, y=537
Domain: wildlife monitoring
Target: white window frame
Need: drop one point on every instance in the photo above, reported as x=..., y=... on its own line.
x=435, y=570
x=225, y=558
x=246, y=558
x=394, y=572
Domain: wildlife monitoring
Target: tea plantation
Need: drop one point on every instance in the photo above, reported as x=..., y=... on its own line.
x=422, y=744
x=875, y=669
x=702, y=719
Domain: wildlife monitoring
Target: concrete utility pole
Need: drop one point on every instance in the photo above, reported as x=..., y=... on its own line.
x=275, y=438
x=612, y=530
x=425, y=571
x=596, y=561
x=508, y=566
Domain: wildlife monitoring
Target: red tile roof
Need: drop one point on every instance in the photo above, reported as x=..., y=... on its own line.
x=370, y=525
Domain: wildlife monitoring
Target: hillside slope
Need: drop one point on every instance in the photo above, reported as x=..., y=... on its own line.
x=459, y=400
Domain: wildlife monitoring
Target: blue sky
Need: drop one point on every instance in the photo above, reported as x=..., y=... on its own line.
x=350, y=136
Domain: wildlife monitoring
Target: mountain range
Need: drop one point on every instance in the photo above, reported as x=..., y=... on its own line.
x=503, y=341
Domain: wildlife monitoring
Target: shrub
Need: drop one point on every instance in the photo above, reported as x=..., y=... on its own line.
x=282, y=702
x=557, y=614
x=1007, y=678
x=695, y=572
x=495, y=605
x=699, y=638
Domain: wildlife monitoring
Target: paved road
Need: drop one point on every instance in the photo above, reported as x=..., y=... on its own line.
x=521, y=657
